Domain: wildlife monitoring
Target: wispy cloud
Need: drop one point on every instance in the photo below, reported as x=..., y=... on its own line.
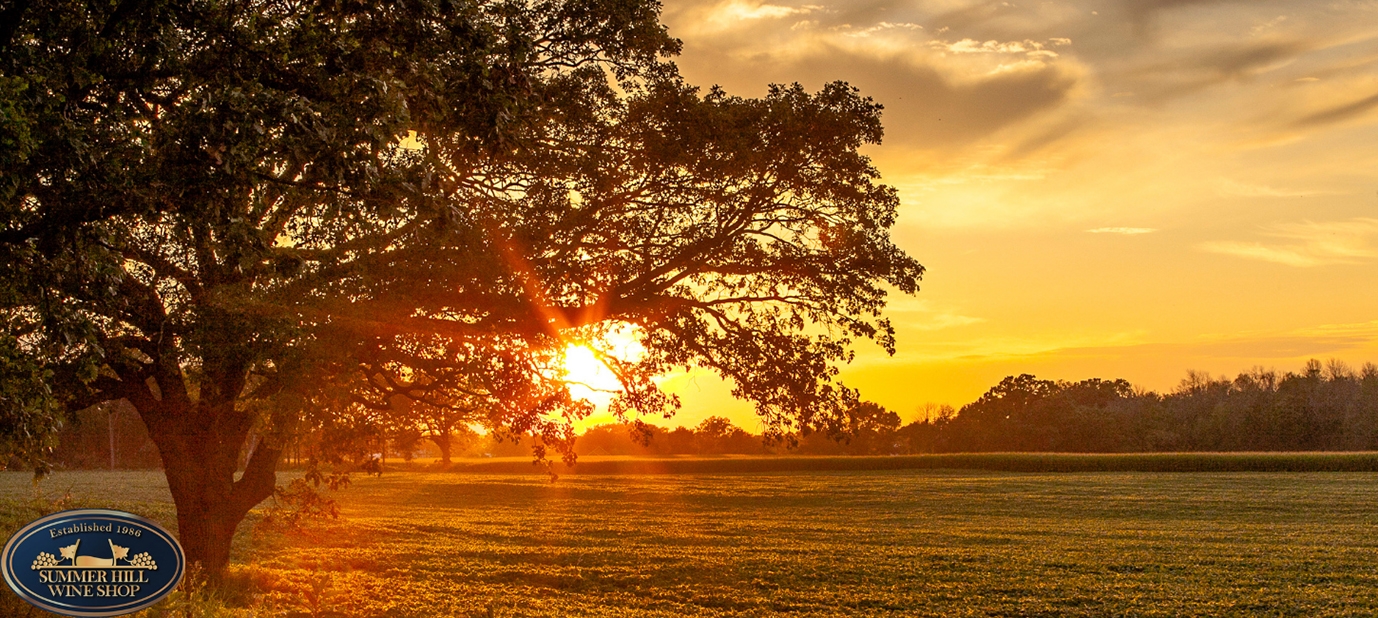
x=1127, y=231
x=1291, y=256
x=747, y=10
x=1027, y=47
x=1192, y=69
x=884, y=26
x=924, y=315
x=1242, y=189
x=735, y=14
x=1339, y=113
x=941, y=321
x=1270, y=345
x=1309, y=243
x=1147, y=8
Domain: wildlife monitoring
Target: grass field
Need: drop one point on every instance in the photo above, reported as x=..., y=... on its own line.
x=805, y=543
x=1007, y=462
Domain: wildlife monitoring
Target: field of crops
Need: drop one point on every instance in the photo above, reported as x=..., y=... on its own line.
x=804, y=543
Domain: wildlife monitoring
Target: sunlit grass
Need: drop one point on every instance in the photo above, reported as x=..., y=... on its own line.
x=939, y=543
x=1004, y=462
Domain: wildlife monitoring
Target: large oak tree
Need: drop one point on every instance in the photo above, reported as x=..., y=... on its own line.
x=246, y=216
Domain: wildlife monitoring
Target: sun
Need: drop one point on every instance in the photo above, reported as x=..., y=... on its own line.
x=588, y=377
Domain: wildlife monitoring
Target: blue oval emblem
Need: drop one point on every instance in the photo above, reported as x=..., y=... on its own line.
x=92, y=562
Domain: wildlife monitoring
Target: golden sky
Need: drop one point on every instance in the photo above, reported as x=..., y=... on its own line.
x=1102, y=188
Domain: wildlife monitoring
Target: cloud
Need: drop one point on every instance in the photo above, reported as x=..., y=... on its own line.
x=1299, y=343
x=939, y=91
x=1308, y=244
x=971, y=16
x=884, y=26
x=1241, y=189
x=945, y=320
x=931, y=110
x=1339, y=113
x=1027, y=47
x=998, y=151
x=1049, y=135
x=926, y=107
x=1251, y=347
x=1142, y=11
x=931, y=105
x=1254, y=346
x=921, y=315
x=1149, y=6
x=738, y=14
x=1203, y=66
x=1127, y=231
x=1291, y=256
x=1234, y=61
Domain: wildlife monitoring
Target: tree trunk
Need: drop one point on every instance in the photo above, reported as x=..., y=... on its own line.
x=444, y=442
x=200, y=453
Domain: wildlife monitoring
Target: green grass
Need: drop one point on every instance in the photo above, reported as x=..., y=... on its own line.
x=814, y=543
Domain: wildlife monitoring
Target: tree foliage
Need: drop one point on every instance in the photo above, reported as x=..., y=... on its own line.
x=253, y=218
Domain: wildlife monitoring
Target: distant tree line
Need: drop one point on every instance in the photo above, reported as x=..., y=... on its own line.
x=1324, y=407
x=108, y=435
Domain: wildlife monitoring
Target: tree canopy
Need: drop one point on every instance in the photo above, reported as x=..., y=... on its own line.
x=244, y=217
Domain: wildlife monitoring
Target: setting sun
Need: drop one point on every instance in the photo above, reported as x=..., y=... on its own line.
x=589, y=378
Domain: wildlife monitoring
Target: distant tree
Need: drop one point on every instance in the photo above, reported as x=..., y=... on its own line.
x=870, y=430
x=405, y=443
x=445, y=422
x=87, y=442
x=717, y=435
x=624, y=439
x=247, y=219
x=928, y=434
x=681, y=441
x=712, y=434
x=993, y=422
x=500, y=444
x=1324, y=407
x=1024, y=413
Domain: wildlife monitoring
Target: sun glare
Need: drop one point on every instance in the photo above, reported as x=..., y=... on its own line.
x=589, y=378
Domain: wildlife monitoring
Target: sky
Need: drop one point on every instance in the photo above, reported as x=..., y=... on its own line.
x=1101, y=188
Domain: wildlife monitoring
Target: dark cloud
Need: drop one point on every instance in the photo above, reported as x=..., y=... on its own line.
x=924, y=108
x=971, y=16
x=1145, y=7
x=1142, y=12
x=1148, y=19
x=1234, y=62
x=865, y=13
x=1339, y=113
x=939, y=113
x=1203, y=67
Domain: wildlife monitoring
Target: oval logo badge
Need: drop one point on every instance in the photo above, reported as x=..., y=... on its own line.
x=92, y=562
